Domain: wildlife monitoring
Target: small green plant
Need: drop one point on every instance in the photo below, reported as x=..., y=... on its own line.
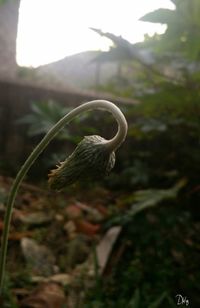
x=93, y=154
x=47, y=113
x=7, y=300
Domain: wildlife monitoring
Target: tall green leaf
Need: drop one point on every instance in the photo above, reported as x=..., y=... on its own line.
x=162, y=16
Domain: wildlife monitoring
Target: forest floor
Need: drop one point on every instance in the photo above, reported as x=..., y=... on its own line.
x=69, y=250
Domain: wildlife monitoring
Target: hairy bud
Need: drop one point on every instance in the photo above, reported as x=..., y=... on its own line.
x=91, y=159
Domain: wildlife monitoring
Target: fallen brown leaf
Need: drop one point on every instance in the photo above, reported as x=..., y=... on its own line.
x=86, y=227
x=17, y=236
x=47, y=295
x=73, y=212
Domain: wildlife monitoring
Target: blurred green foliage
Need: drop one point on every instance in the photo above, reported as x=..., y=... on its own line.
x=163, y=74
x=44, y=115
x=183, y=25
x=162, y=148
x=155, y=264
x=166, y=64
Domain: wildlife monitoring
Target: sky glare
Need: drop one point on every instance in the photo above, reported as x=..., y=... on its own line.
x=51, y=30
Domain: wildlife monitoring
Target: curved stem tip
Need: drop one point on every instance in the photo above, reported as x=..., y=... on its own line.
x=112, y=144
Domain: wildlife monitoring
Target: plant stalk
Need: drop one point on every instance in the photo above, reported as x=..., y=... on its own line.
x=112, y=144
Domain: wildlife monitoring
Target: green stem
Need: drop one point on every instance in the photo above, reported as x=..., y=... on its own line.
x=113, y=144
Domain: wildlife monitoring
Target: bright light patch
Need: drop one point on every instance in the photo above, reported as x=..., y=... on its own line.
x=51, y=30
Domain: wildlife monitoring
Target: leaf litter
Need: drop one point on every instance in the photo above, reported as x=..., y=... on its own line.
x=54, y=239
x=52, y=254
